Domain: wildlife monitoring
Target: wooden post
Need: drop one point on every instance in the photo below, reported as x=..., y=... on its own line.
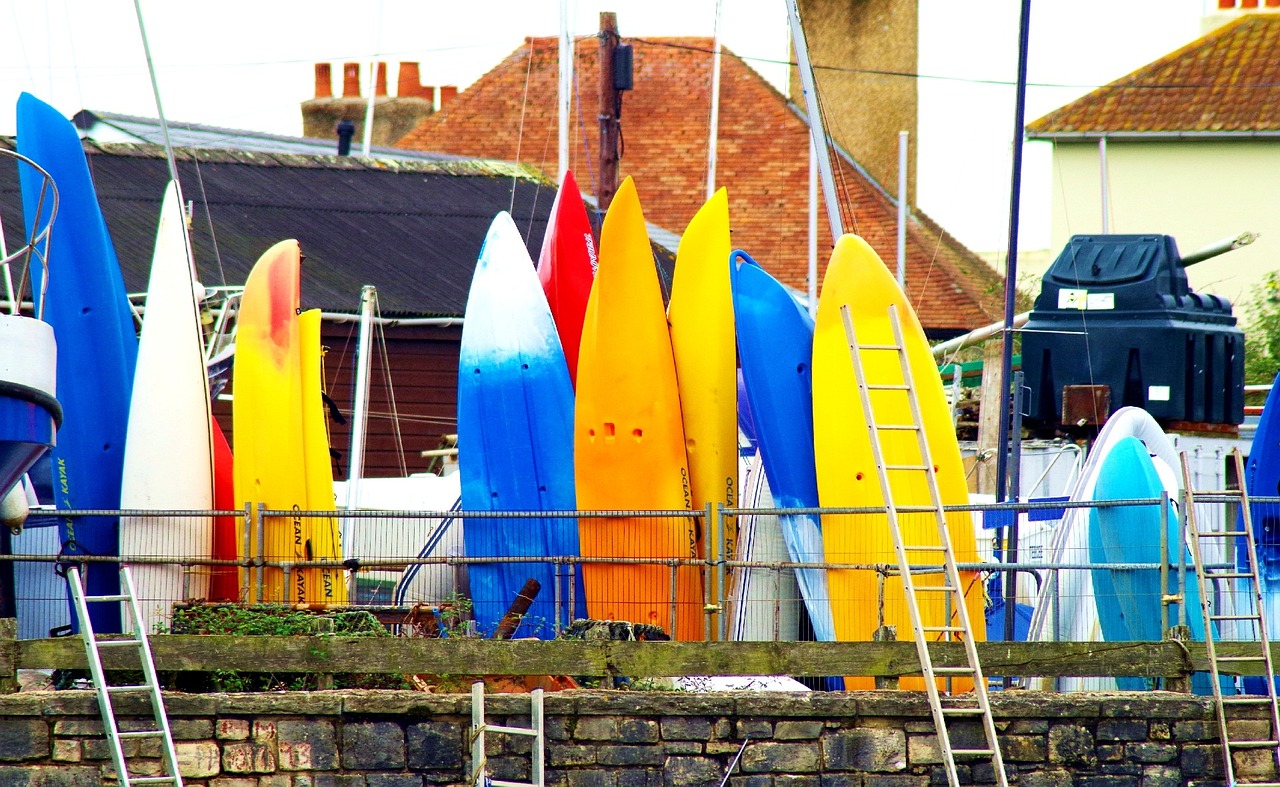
x=610, y=102
x=989, y=417
x=886, y=634
x=1182, y=683
x=8, y=655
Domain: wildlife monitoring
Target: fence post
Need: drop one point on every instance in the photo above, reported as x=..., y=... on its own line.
x=886, y=634
x=1182, y=682
x=8, y=655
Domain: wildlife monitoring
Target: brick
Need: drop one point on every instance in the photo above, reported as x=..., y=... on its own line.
x=66, y=751
x=248, y=757
x=1122, y=730
x=24, y=739
x=560, y=756
x=233, y=781
x=1046, y=778
x=264, y=731
x=435, y=746
x=883, y=750
x=306, y=745
x=71, y=727
x=233, y=730
x=191, y=729
x=198, y=759
x=1161, y=776
x=1151, y=752
x=683, y=728
x=797, y=730
x=692, y=770
x=638, y=731
x=755, y=729
x=626, y=756
x=1072, y=746
x=780, y=758
x=393, y=780
x=596, y=728
x=50, y=776
x=372, y=745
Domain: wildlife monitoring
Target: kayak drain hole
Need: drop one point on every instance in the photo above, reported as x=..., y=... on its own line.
x=637, y=433
x=858, y=476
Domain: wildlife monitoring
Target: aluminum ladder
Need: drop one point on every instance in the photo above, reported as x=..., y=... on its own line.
x=1251, y=652
x=479, y=728
x=137, y=641
x=958, y=627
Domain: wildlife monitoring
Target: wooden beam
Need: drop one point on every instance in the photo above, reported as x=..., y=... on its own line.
x=457, y=656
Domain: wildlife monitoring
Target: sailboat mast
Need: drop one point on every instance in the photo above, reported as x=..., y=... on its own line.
x=566, y=88
x=360, y=405
x=155, y=88
x=713, y=136
x=816, y=131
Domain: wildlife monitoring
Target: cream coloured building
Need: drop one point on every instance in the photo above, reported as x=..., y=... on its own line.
x=1187, y=146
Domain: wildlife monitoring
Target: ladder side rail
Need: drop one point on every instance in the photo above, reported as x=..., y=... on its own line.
x=97, y=674
x=478, y=764
x=960, y=609
x=904, y=566
x=538, y=721
x=152, y=680
x=1263, y=634
x=1193, y=526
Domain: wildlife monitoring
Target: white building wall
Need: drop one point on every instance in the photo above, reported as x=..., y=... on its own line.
x=1197, y=191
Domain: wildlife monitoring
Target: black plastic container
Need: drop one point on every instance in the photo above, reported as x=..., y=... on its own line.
x=1116, y=310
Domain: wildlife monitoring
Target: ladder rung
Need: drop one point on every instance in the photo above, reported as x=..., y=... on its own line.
x=153, y=780
x=879, y=347
x=142, y=734
x=963, y=711
x=954, y=629
x=1233, y=617
x=127, y=689
x=116, y=643
x=924, y=548
x=953, y=670
x=1253, y=744
x=873, y=387
x=1222, y=533
x=1246, y=700
x=906, y=467
x=935, y=588
x=94, y=599
x=1242, y=658
x=972, y=752
x=898, y=427
x=1227, y=575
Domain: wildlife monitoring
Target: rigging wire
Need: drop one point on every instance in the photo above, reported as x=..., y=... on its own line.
x=524, y=103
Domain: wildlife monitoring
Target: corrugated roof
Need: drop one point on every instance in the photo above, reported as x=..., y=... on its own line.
x=1227, y=82
x=116, y=127
x=411, y=228
x=763, y=158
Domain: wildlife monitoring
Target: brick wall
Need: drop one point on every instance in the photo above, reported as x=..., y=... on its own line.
x=616, y=739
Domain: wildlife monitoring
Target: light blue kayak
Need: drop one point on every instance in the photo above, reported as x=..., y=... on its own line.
x=515, y=440
x=1128, y=599
x=97, y=346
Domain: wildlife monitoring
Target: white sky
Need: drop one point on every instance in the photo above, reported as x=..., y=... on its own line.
x=249, y=65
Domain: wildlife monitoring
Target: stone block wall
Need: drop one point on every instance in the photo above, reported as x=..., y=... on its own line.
x=625, y=739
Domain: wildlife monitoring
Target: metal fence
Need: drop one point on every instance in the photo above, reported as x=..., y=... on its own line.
x=730, y=574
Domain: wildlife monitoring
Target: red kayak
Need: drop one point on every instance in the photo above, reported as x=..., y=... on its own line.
x=567, y=266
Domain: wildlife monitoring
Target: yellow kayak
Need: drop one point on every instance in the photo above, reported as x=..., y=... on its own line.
x=847, y=473
x=702, y=339
x=628, y=438
x=324, y=585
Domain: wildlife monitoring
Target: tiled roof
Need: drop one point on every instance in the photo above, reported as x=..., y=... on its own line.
x=1227, y=82
x=762, y=157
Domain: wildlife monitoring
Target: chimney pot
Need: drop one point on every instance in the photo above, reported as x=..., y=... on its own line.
x=409, y=84
x=380, y=84
x=324, y=81
x=346, y=130
x=351, y=80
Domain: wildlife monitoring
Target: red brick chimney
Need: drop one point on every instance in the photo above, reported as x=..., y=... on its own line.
x=351, y=80
x=324, y=81
x=380, y=84
x=447, y=94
